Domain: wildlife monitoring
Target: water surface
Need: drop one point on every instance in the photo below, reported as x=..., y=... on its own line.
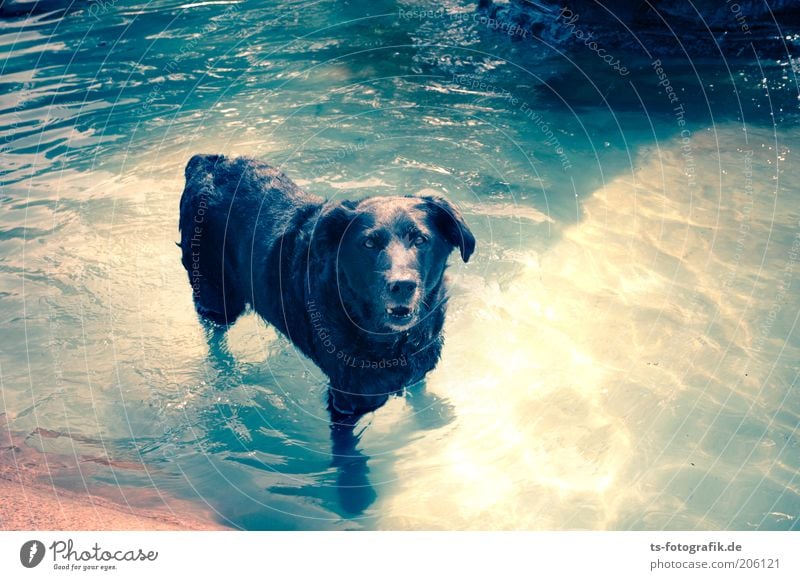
x=621, y=352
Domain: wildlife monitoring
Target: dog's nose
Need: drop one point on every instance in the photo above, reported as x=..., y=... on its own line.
x=402, y=289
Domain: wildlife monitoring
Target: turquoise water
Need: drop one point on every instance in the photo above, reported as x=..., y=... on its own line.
x=621, y=352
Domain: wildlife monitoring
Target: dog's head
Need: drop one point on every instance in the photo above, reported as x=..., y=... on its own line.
x=389, y=256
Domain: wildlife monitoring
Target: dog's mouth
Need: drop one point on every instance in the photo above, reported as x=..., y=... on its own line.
x=400, y=313
x=400, y=317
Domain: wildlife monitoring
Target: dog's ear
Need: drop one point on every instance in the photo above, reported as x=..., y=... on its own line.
x=332, y=224
x=450, y=223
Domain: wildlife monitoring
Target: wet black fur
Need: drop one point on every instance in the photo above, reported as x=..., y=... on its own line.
x=249, y=235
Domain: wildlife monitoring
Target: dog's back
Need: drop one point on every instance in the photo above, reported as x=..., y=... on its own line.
x=225, y=205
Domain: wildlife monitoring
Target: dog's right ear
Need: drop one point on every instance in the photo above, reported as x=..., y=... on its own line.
x=332, y=225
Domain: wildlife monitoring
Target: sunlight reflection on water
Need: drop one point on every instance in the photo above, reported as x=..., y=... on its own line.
x=619, y=380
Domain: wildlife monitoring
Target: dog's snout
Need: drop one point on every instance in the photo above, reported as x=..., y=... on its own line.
x=403, y=288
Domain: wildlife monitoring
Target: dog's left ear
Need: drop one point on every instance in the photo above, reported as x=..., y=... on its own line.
x=450, y=223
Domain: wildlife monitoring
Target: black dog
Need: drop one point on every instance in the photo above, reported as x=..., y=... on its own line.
x=358, y=286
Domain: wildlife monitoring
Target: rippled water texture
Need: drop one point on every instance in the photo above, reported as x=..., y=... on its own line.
x=621, y=353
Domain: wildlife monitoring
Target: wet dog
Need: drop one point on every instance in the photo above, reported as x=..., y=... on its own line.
x=357, y=286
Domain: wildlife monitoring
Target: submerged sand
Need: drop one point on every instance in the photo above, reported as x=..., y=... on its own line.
x=31, y=500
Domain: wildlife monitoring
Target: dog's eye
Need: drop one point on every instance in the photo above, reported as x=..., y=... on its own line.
x=420, y=240
x=369, y=243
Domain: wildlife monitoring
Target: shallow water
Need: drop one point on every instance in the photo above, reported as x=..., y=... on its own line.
x=621, y=352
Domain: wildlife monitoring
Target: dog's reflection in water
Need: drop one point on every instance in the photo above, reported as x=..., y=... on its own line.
x=355, y=490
